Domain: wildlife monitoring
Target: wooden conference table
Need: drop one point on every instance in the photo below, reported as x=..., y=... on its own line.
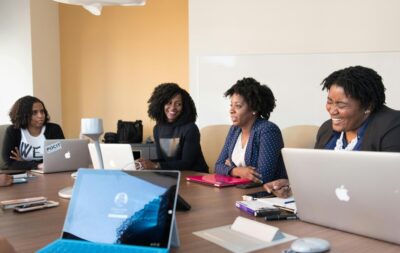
x=211, y=207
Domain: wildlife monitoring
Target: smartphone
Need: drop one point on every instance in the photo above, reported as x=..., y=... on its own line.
x=35, y=206
x=267, y=211
x=258, y=195
x=19, y=180
x=248, y=185
x=8, y=204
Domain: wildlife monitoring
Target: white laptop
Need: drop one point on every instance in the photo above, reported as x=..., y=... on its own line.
x=106, y=213
x=64, y=155
x=115, y=156
x=354, y=191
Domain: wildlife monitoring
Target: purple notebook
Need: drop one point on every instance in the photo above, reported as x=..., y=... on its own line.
x=218, y=180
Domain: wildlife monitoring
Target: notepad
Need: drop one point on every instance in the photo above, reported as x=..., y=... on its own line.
x=287, y=204
x=255, y=207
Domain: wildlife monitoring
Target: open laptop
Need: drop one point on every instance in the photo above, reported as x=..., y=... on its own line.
x=354, y=191
x=120, y=211
x=115, y=156
x=64, y=155
x=218, y=180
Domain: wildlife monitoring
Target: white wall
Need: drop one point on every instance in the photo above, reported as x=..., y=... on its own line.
x=29, y=54
x=262, y=27
x=299, y=96
x=15, y=54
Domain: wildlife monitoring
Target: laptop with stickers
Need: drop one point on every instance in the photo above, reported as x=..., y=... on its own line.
x=120, y=211
x=64, y=155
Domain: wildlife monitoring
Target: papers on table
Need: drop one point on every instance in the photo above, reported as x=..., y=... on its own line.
x=287, y=204
x=259, y=206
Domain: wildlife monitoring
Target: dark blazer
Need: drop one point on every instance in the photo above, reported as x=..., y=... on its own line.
x=12, y=139
x=382, y=132
x=263, y=151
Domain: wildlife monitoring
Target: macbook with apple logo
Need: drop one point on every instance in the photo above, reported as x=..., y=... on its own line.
x=354, y=191
x=65, y=155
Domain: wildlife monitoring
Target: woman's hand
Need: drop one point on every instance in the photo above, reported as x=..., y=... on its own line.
x=147, y=164
x=247, y=172
x=5, y=180
x=279, y=188
x=16, y=155
x=5, y=246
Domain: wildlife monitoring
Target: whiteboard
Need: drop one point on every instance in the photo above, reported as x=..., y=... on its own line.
x=294, y=79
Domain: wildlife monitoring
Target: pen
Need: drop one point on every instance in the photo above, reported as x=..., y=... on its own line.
x=281, y=217
x=288, y=202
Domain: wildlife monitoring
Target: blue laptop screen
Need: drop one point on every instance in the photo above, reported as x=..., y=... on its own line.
x=121, y=207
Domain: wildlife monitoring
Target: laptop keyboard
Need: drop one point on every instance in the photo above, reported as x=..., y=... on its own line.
x=71, y=246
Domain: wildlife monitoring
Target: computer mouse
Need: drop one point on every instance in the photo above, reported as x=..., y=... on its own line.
x=310, y=245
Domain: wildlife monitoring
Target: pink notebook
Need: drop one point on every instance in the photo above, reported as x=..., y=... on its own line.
x=218, y=180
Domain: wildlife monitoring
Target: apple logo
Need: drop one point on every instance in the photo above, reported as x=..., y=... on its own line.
x=342, y=193
x=67, y=155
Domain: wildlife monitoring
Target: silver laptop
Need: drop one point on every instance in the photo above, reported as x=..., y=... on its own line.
x=115, y=156
x=354, y=191
x=106, y=213
x=64, y=155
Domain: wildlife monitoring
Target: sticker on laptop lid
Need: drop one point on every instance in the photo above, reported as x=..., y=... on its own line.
x=53, y=147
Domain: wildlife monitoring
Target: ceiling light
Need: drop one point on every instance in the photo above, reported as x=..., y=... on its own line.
x=95, y=6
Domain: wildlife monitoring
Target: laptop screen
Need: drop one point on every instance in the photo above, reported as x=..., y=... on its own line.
x=121, y=207
x=115, y=156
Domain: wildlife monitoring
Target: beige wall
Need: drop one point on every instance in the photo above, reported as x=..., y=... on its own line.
x=111, y=63
x=46, y=56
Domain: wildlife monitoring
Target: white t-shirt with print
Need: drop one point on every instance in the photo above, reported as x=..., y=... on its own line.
x=31, y=147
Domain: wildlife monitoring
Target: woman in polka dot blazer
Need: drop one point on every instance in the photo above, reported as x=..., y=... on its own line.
x=253, y=146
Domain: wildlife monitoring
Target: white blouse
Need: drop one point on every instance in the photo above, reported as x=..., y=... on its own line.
x=239, y=153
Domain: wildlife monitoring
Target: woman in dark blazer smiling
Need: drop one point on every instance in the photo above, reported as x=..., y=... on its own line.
x=359, y=119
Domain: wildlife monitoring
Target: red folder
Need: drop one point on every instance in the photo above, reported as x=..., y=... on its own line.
x=218, y=180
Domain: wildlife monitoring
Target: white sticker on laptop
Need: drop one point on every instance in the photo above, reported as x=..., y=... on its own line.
x=53, y=147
